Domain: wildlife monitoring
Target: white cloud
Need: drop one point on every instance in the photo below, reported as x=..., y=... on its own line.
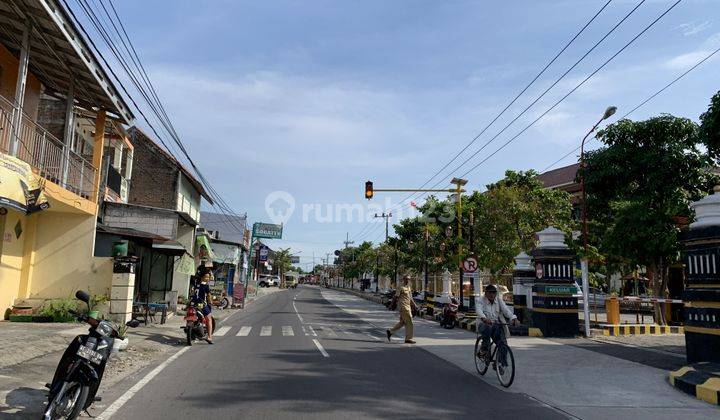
x=687, y=60
x=694, y=27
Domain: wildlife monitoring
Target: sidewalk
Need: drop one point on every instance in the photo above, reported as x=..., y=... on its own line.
x=582, y=378
x=31, y=351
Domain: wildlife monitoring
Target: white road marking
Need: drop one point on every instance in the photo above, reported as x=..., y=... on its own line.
x=287, y=331
x=304, y=330
x=312, y=331
x=117, y=404
x=266, y=331
x=221, y=331
x=373, y=337
x=244, y=331
x=298, y=313
x=320, y=347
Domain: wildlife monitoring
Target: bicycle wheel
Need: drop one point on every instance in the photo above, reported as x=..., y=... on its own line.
x=505, y=371
x=481, y=363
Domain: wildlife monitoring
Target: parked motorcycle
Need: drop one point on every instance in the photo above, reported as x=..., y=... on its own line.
x=450, y=314
x=81, y=368
x=195, y=328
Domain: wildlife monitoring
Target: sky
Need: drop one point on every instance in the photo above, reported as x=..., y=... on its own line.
x=293, y=105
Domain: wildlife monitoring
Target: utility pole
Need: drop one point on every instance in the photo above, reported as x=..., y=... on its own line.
x=459, y=183
x=427, y=238
x=387, y=224
x=584, y=262
x=347, y=241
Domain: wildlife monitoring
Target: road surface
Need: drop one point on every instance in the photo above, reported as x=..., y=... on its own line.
x=294, y=355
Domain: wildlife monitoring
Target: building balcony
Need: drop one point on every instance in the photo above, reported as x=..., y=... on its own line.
x=48, y=155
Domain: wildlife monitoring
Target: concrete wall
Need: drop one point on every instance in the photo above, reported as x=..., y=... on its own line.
x=11, y=258
x=63, y=259
x=146, y=220
x=8, y=80
x=186, y=236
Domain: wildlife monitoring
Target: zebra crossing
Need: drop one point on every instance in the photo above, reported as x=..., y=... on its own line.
x=307, y=330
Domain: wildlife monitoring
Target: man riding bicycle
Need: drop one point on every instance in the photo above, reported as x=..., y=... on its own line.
x=492, y=312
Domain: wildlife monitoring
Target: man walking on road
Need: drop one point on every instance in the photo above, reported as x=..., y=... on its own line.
x=405, y=304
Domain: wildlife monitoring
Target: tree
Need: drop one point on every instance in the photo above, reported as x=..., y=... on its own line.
x=710, y=127
x=509, y=214
x=637, y=187
x=282, y=262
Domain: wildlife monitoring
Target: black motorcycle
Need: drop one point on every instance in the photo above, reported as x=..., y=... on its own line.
x=81, y=367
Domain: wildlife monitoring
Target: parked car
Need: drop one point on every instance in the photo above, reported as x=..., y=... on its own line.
x=269, y=281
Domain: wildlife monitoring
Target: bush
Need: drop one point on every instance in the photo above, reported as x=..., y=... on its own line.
x=59, y=309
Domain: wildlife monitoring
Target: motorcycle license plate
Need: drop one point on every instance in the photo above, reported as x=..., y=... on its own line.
x=90, y=354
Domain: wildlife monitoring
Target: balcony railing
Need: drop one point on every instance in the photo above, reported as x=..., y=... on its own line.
x=46, y=153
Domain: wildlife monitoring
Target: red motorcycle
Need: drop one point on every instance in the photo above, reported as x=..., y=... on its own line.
x=195, y=324
x=450, y=314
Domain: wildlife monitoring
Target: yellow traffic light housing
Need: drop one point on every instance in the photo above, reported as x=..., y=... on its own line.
x=369, y=190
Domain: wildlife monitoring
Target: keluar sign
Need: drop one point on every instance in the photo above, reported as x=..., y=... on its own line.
x=267, y=230
x=20, y=188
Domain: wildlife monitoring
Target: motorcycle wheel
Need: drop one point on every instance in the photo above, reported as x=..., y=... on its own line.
x=79, y=394
x=188, y=336
x=224, y=303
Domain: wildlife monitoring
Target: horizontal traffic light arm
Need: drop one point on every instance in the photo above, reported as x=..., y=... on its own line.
x=452, y=190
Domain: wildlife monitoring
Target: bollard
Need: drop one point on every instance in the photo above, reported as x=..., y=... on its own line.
x=612, y=310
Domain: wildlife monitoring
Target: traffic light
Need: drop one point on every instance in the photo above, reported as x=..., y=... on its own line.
x=369, y=190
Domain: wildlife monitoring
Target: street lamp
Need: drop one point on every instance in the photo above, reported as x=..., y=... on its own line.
x=609, y=112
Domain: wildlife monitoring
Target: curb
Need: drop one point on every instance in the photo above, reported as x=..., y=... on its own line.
x=645, y=329
x=701, y=384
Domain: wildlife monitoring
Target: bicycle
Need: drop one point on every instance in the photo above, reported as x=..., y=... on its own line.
x=504, y=367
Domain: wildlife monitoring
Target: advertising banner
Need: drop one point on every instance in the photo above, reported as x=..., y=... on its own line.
x=267, y=230
x=20, y=188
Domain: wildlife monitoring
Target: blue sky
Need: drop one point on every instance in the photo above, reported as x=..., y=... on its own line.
x=315, y=97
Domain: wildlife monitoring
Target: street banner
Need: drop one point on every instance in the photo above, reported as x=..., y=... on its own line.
x=20, y=188
x=186, y=265
x=267, y=230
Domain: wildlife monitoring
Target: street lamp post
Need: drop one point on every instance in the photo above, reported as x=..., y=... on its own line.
x=584, y=262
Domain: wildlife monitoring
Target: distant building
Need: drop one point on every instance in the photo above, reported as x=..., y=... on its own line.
x=565, y=179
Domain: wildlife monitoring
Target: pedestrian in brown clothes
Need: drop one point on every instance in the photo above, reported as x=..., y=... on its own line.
x=405, y=304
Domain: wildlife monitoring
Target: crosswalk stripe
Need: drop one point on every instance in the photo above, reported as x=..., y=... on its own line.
x=287, y=331
x=222, y=331
x=244, y=331
x=266, y=331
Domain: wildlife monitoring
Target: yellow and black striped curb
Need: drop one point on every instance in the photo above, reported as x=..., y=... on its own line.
x=651, y=329
x=700, y=383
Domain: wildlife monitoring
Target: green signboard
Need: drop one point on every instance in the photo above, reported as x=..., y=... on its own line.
x=267, y=230
x=560, y=290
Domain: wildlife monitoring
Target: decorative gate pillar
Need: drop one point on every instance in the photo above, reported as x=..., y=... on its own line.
x=554, y=308
x=701, y=255
x=523, y=280
x=447, y=288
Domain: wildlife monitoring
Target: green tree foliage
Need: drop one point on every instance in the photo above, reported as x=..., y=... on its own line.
x=710, y=127
x=510, y=212
x=282, y=262
x=639, y=184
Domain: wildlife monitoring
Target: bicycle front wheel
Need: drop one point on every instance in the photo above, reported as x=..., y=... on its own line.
x=481, y=363
x=505, y=369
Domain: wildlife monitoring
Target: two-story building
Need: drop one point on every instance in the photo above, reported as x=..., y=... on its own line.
x=158, y=219
x=59, y=114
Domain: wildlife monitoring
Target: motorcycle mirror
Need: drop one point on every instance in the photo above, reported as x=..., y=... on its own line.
x=134, y=323
x=83, y=296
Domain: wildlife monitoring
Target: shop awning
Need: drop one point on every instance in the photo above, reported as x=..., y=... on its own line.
x=169, y=247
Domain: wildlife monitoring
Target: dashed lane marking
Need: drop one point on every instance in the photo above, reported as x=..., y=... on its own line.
x=320, y=347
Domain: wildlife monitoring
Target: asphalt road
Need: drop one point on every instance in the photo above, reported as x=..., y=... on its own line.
x=294, y=355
